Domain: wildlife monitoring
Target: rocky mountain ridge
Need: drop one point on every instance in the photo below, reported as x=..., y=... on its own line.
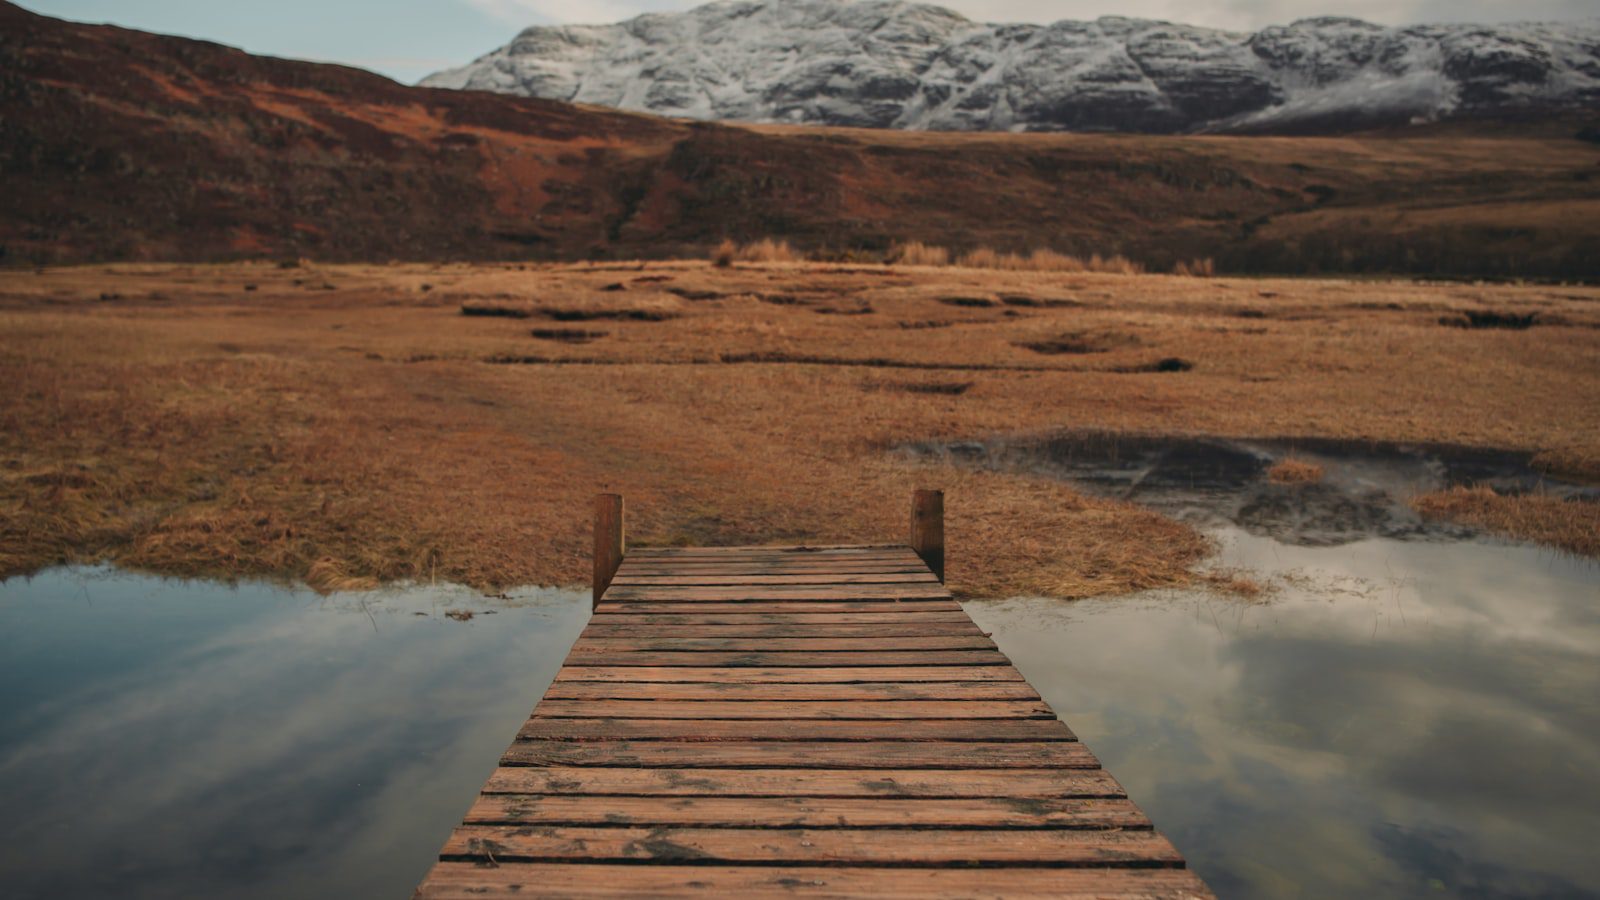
x=894, y=64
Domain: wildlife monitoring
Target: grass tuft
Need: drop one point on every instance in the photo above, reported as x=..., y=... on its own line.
x=1293, y=470
x=1570, y=525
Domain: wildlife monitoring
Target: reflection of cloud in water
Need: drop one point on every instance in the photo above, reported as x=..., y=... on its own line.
x=1364, y=743
x=285, y=746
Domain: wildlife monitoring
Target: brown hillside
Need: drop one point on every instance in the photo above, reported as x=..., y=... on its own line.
x=116, y=144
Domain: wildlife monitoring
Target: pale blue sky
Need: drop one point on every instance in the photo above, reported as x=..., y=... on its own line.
x=406, y=39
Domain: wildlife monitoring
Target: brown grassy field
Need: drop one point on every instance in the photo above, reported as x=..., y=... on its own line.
x=347, y=425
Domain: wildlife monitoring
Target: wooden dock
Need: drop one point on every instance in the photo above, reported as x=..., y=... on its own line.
x=796, y=721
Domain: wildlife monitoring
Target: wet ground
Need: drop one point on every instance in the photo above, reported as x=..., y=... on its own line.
x=1218, y=481
x=169, y=739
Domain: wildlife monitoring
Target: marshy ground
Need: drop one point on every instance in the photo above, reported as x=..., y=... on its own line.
x=347, y=425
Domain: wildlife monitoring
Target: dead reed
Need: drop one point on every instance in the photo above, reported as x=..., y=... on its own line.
x=1293, y=470
x=1571, y=525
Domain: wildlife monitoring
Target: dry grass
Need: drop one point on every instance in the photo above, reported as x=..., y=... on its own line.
x=1293, y=470
x=1570, y=525
x=768, y=250
x=916, y=253
x=358, y=434
x=1198, y=268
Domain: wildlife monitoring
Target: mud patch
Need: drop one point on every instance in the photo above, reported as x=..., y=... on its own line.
x=1038, y=302
x=1081, y=342
x=1169, y=364
x=1363, y=491
x=569, y=314
x=694, y=294
x=970, y=302
x=494, y=310
x=568, y=335
x=1492, y=319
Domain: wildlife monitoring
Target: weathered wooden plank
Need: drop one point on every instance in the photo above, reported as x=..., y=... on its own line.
x=801, y=755
x=875, y=730
x=828, y=578
x=810, y=812
x=901, y=555
x=789, y=710
x=758, y=549
x=773, y=607
x=796, y=675
x=789, y=658
x=474, y=881
x=695, y=594
x=877, y=783
x=801, y=567
x=772, y=644
x=890, y=629
x=696, y=617
x=503, y=844
x=860, y=693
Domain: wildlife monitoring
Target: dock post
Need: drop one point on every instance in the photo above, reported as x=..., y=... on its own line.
x=608, y=541
x=927, y=529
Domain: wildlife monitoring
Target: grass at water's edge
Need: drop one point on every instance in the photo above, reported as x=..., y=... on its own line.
x=1569, y=525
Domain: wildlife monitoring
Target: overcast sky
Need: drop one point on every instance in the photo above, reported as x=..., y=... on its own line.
x=407, y=39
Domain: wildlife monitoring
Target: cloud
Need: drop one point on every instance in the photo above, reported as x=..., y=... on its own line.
x=1237, y=14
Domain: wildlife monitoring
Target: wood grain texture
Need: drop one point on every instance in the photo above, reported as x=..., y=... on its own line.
x=809, y=812
x=868, y=692
x=791, y=710
x=473, y=881
x=788, y=675
x=810, y=730
x=884, y=783
x=819, y=722
x=834, y=846
x=803, y=755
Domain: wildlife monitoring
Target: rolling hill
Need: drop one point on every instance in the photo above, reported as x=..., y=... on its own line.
x=116, y=144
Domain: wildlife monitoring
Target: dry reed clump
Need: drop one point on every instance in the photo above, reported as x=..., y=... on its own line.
x=1293, y=470
x=764, y=250
x=1235, y=582
x=916, y=253
x=1046, y=261
x=1570, y=525
x=1196, y=268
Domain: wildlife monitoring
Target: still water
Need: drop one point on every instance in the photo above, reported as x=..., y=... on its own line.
x=169, y=739
x=1403, y=719
x=1412, y=711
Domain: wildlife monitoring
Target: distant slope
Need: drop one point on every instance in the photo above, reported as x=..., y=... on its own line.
x=891, y=64
x=120, y=145
x=117, y=143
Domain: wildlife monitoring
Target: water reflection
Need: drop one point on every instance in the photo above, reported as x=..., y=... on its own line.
x=1404, y=718
x=166, y=739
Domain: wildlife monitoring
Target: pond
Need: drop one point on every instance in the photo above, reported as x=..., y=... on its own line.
x=1413, y=710
x=169, y=739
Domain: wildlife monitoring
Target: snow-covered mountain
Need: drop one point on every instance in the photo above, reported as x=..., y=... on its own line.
x=886, y=63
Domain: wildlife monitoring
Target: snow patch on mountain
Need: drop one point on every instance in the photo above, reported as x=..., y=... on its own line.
x=887, y=63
